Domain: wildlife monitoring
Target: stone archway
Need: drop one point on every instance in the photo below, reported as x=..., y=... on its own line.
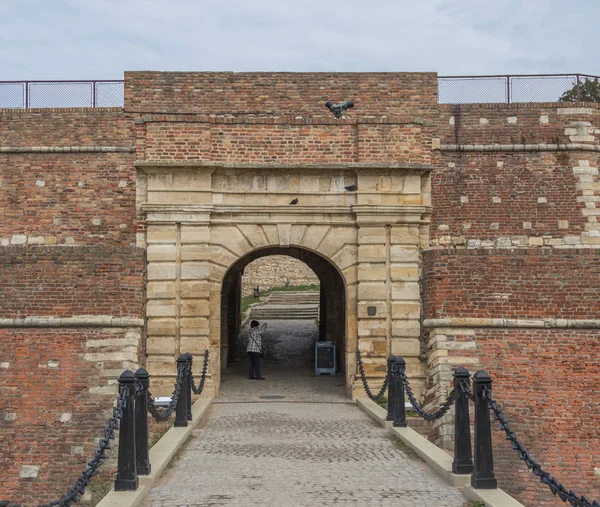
x=333, y=321
x=203, y=218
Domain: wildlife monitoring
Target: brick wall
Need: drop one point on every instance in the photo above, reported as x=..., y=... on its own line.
x=529, y=283
x=56, y=393
x=522, y=198
x=68, y=281
x=277, y=93
x=66, y=198
x=544, y=379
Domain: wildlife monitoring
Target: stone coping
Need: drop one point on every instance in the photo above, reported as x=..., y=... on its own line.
x=516, y=323
x=161, y=455
x=67, y=149
x=76, y=321
x=520, y=147
x=437, y=459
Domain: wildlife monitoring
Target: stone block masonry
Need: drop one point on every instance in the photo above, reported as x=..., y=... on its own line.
x=276, y=271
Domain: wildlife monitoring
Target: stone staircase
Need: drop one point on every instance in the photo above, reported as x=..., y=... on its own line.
x=288, y=306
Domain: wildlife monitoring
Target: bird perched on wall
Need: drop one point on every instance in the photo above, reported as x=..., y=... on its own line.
x=351, y=188
x=294, y=202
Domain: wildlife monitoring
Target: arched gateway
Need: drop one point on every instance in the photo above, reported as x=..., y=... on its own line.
x=207, y=221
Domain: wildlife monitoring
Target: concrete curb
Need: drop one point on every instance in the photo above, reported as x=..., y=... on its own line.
x=160, y=456
x=438, y=460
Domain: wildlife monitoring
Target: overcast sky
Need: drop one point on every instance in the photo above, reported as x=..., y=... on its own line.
x=99, y=39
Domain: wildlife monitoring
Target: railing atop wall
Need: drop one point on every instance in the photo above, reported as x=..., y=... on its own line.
x=452, y=90
x=515, y=88
x=47, y=94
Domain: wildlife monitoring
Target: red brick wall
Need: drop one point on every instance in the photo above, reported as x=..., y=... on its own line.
x=65, y=127
x=68, y=281
x=528, y=283
x=67, y=198
x=277, y=93
x=39, y=395
x=545, y=381
x=518, y=179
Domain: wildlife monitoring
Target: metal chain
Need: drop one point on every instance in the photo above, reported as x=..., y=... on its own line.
x=466, y=389
x=78, y=489
x=366, y=385
x=164, y=415
x=198, y=390
x=428, y=416
x=556, y=487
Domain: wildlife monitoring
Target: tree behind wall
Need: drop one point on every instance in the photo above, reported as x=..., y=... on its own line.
x=587, y=90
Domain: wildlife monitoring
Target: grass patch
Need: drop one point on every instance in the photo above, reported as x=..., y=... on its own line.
x=479, y=503
x=99, y=487
x=158, y=431
x=382, y=401
x=250, y=299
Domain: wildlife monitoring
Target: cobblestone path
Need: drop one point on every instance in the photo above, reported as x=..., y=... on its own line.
x=296, y=454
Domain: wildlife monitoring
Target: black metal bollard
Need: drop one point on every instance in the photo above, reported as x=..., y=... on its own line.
x=189, y=386
x=463, y=457
x=127, y=479
x=398, y=369
x=181, y=420
x=391, y=389
x=142, y=459
x=483, y=477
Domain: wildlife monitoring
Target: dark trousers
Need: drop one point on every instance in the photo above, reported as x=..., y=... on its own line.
x=254, y=364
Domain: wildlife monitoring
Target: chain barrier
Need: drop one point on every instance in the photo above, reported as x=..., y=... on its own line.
x=166, y=413
x=466, y=389
x=439, y=413
x=78, y=489
x=545, y=477
x=198, y=390
x=365, y=383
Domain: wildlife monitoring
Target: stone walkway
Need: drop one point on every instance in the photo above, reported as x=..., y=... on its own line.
x=314, y=452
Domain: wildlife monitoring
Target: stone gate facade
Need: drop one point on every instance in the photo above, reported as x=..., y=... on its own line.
x=472, y=238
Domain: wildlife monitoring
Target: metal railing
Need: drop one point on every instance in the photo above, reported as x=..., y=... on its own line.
x=509, y=89
x=452, y=90
x=47, y=94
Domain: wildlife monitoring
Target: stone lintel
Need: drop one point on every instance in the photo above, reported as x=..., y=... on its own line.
x=520, y=147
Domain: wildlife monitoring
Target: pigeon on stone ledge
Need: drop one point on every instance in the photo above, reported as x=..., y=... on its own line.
x=351, y=188
x=294, y=201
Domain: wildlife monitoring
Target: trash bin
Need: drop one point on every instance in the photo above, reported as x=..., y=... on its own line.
x=325, y=358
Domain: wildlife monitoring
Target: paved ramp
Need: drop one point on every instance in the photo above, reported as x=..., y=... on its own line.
x=301, y=450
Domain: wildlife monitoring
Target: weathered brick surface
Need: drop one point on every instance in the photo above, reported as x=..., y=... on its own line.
x=529, y=283
x=288, y=93
x=68, y=198
x=544, y=379
x=481, y=196
x=48, y=379
x=469, y=198
x=68, y=281
x=65, y=127
x=511, y=123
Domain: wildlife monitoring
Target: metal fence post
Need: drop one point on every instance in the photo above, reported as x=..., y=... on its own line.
x=127, y=479
x=463, y=457
x=189, y=386
x=483, y=477
x=181, y=420
x=398, y=369
x=142, y=459
x=391, y=389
